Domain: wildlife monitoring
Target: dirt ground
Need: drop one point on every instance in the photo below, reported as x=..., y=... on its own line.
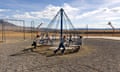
x=104, y=58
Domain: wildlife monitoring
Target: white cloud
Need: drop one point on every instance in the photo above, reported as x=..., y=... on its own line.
x=102, y=14
x=116, y=9
x=4, y=10
x=75, y=14
x=72, y=12
x=47, y=13
x=25, y=15
x=112, y=1
x=50, y=11
x=91, y=13
x=112, y=18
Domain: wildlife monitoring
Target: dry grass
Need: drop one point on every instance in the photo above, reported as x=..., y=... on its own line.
x=16, y=34
x=12, y=35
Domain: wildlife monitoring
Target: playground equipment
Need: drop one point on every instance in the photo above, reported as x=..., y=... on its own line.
x=2, y=30
x=12, y=25
x=38, y=27
x=113, y=28
x=59, y=26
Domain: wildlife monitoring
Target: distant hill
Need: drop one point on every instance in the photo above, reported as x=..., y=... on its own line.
x=6, y=23
x=12, y=27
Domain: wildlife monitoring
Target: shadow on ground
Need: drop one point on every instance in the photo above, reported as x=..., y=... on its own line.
x=45, y=51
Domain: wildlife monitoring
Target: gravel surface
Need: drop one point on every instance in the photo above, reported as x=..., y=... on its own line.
x=105, y=58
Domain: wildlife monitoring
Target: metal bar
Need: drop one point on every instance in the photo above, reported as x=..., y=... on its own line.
x=50, y=24
x=23, y=26
x=61, y=27
x=87, y=31
x=58, y=20
x=2, y=30
x=13, y=20
x=69, y=20
x=110, y=24
x=24, y=30
x=32, y=29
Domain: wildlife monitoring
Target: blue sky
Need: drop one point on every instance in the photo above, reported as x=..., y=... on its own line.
x=94, y=13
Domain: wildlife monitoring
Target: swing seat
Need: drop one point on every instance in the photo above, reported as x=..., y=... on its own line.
x=41, y=42
x=76, y=48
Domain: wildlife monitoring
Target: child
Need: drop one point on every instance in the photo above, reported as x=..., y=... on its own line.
x=61, y=45
x=35, y=41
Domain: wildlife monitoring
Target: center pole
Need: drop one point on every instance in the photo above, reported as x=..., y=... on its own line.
x=61, y=27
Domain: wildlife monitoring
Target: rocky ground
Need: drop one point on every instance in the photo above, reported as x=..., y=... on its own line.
x=105, y=58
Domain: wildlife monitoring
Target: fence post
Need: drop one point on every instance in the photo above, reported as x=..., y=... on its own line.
x=24, y=30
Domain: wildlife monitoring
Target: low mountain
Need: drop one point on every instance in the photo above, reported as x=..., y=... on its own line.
x=6, y=23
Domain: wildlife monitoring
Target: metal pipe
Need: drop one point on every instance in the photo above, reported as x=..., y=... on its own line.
x=61, y=27
x=87, y=31
x=109, y=23
x=23, y=26
x=2, y=30
x=24, y=30
x=32, y=29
